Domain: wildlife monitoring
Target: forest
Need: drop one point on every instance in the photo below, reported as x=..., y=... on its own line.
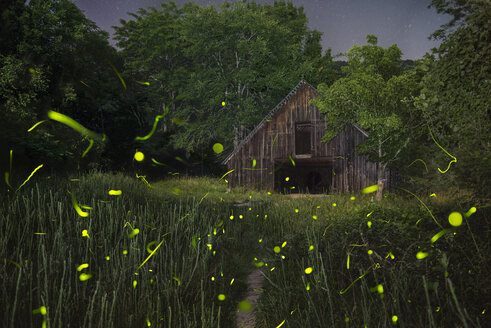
x=83, y=242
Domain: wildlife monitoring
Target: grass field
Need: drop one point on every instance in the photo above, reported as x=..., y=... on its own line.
x=164, y=254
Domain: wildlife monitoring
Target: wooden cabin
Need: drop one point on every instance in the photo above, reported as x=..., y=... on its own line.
x=291, y=133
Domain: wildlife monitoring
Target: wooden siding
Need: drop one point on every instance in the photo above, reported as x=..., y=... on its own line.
x=349, y=171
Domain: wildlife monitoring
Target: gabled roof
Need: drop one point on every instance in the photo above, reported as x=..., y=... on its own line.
x=271, y=113
x=268, y=116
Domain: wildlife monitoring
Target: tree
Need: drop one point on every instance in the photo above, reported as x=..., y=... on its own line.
x=455, y=90
x=375, y=93
x=243, y=54
x=54, y=59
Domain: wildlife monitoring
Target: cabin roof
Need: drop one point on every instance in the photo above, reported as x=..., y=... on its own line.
x=271, y=113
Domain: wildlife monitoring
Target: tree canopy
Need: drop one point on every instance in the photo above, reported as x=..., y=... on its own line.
x=374, y=94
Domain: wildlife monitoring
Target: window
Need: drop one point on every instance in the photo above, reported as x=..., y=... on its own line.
x=303, y=141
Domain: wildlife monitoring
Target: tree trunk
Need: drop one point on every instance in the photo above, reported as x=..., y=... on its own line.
x=380, y=181
x=380, y=173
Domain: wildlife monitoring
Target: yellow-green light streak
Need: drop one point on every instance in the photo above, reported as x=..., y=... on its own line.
x=341, y=292
x=434, y=219
x=73, y=124
x=471, y=211
x=151, y=254
x=454, y=160
x=291, y=159
x=29, y=177
x=91, y=143
x=370, y=189
x=158, y=163
x=223, y=176
x=77, y=208
x=35, y=125
x=157, y=118
x=438, y=235
x=117, y=73
x=421, y=162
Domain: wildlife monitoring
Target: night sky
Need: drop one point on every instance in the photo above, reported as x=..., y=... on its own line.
x=407, y=23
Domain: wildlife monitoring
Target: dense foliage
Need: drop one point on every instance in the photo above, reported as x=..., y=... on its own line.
x=226, y=68
x=455, y=96
x=374, y=93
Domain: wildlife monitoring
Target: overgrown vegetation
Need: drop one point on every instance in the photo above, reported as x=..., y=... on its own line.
x=42, y=246
x=71, y=254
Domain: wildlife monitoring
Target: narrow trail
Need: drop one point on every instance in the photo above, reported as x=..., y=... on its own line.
x=254, y=284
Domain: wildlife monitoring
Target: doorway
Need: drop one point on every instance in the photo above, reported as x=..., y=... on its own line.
x=305, y=177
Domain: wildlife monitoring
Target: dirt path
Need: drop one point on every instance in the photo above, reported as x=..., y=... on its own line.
x=254, y=284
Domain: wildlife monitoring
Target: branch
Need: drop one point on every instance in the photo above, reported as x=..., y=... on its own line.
x=399, y=150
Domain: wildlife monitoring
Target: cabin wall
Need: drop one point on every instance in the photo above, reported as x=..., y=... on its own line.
x=274, y=142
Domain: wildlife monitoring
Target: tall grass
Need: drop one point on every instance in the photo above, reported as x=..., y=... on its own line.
x=193, y=218
x=41, y=246
x=449, y=288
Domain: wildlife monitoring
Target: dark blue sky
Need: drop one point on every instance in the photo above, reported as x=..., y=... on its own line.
x=407, y=23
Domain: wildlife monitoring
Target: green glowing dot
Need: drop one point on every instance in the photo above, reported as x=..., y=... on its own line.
x=369, y=224
x=370, y=252
x=84, y=276
x=314, y=217
x=245, y=306
x=221, y=297
x=284, y=244
x=148, y=323
x=277, y=249
x=261, y=240
x=231, y=217
x=421, y=255
x=455, y=219
x=308, y=270
x=115, y=192
x=296, y=210
x=352, y=198
x=134, y=283
x=85, y=233
x=308, y=286
x=139, y=156
x=125, y=252
x=218, y=148
x=394, y=319
x=223, y=103
x=241, y=217
x=107, y=258
x=346, y=319
x=334, y=204
x=380, y=289
x=259, y=264
x=42, y=310
x=287, y=179
x=311, y=247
